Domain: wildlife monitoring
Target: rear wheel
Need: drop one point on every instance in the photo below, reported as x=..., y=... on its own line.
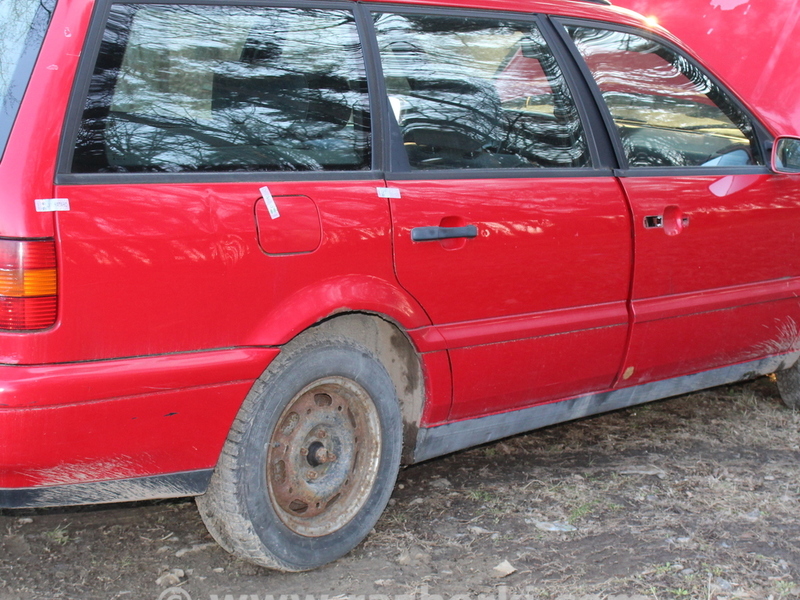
x=311, y=460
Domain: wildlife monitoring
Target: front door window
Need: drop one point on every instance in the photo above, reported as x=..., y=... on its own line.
x=667, y=111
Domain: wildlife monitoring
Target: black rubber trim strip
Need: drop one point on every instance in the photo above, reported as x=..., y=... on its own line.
x=213, y=177
x=172, y=485
x=601, y=145
x=448, y=174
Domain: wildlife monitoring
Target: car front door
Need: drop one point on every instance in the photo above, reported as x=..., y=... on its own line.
x=717, y=272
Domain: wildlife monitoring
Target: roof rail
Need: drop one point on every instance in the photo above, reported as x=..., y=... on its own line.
x=606, y=2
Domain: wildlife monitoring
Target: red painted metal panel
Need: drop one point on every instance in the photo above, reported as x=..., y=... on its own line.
x=124, y=418
x=75, y=383
x=114, y=439
x=552, y=255
x=499, y=377
x=28, y=165
x=150, y=262
x=438, y=385
x=295, y=229
x=710, y=294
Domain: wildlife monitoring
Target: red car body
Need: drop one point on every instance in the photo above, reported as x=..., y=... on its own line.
x=174, y=295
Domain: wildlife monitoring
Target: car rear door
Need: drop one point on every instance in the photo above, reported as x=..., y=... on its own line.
x=508, y=227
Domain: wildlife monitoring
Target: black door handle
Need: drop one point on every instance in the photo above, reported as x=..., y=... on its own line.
x=427, y=234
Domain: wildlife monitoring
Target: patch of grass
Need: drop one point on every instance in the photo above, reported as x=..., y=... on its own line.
x=581, y=511
x=59, y=535
x=484, y=496
x=785, y=588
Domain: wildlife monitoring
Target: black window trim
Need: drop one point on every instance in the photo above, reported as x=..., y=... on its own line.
x=762, y=135
x=83, y=78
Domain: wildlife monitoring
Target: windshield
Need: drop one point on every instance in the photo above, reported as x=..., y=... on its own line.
x=22, y=27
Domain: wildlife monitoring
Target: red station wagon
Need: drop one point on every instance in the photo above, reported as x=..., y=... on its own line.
x=263, y=252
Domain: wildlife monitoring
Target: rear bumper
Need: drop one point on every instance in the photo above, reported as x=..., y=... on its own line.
x=81, y=423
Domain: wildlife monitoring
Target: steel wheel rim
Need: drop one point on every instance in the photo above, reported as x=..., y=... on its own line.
x=323, y=456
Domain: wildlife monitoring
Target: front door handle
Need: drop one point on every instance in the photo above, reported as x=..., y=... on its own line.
x=428, y=234
x=673, y=221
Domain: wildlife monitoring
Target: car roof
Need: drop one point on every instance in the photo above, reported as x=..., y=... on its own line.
x=597, y=10
x=574, y=8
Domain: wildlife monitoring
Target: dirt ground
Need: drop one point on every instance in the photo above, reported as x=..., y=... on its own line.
x=693, y=497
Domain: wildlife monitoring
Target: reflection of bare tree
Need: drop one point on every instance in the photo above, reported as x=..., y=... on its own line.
x=181, y=88
x=463, y=90
x=667, y=110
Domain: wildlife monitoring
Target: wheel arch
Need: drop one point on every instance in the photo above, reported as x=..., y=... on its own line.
x=393, y=347
x=317, y=303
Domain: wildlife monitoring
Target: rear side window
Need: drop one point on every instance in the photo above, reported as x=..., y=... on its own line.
x=478, y=93
x=181, y=88
x=23, y=24
x=667, y=111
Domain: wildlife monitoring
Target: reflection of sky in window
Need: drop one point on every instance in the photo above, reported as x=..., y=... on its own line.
x=16, y=17
x=174, y=53
x=643, y=81
x=667, y=111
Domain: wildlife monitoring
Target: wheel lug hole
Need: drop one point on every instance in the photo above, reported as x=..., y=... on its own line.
x=312, y=475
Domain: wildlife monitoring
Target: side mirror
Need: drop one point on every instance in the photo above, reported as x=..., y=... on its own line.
x=786, y=155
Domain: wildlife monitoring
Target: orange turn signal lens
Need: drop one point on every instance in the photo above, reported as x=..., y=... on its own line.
x=34, y=282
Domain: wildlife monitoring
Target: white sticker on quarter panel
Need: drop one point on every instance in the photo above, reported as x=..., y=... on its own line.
x=270, y=202
x=51, y=204
x=387, y=192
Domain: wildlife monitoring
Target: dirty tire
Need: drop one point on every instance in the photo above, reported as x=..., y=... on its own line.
x=789, y=385
x=311, y=459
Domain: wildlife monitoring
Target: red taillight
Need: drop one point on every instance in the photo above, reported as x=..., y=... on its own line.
x=28, y=284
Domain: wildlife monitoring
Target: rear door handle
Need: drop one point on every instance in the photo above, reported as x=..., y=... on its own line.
x=427, y=234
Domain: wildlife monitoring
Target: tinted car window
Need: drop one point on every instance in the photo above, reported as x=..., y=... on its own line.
x=478, y=93
x=667, y=111
x=222, y=88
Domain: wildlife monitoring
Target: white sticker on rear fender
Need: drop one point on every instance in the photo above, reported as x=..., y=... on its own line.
x=388, y=192
x=270, y=202
x=51, y=204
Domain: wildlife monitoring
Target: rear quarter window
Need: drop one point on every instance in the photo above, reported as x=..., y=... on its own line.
x=181, y=88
